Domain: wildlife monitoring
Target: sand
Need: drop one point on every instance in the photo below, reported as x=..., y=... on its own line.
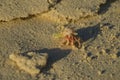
x=30, y=25
x=31, y=62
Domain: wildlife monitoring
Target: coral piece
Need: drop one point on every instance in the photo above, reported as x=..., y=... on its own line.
x=30, y=62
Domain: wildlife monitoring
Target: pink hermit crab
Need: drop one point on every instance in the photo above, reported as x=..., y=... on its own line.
x=70, y=38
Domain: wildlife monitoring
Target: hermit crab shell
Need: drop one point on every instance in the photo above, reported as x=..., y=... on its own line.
x=68, y=31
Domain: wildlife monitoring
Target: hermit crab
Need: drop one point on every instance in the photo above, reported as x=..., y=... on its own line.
x=70, y=38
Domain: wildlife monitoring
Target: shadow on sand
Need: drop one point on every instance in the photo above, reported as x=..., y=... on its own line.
x=105, y=7
x=89, y=32
x=54, y=55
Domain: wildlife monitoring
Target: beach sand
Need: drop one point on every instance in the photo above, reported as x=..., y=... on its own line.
x=29, y=25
